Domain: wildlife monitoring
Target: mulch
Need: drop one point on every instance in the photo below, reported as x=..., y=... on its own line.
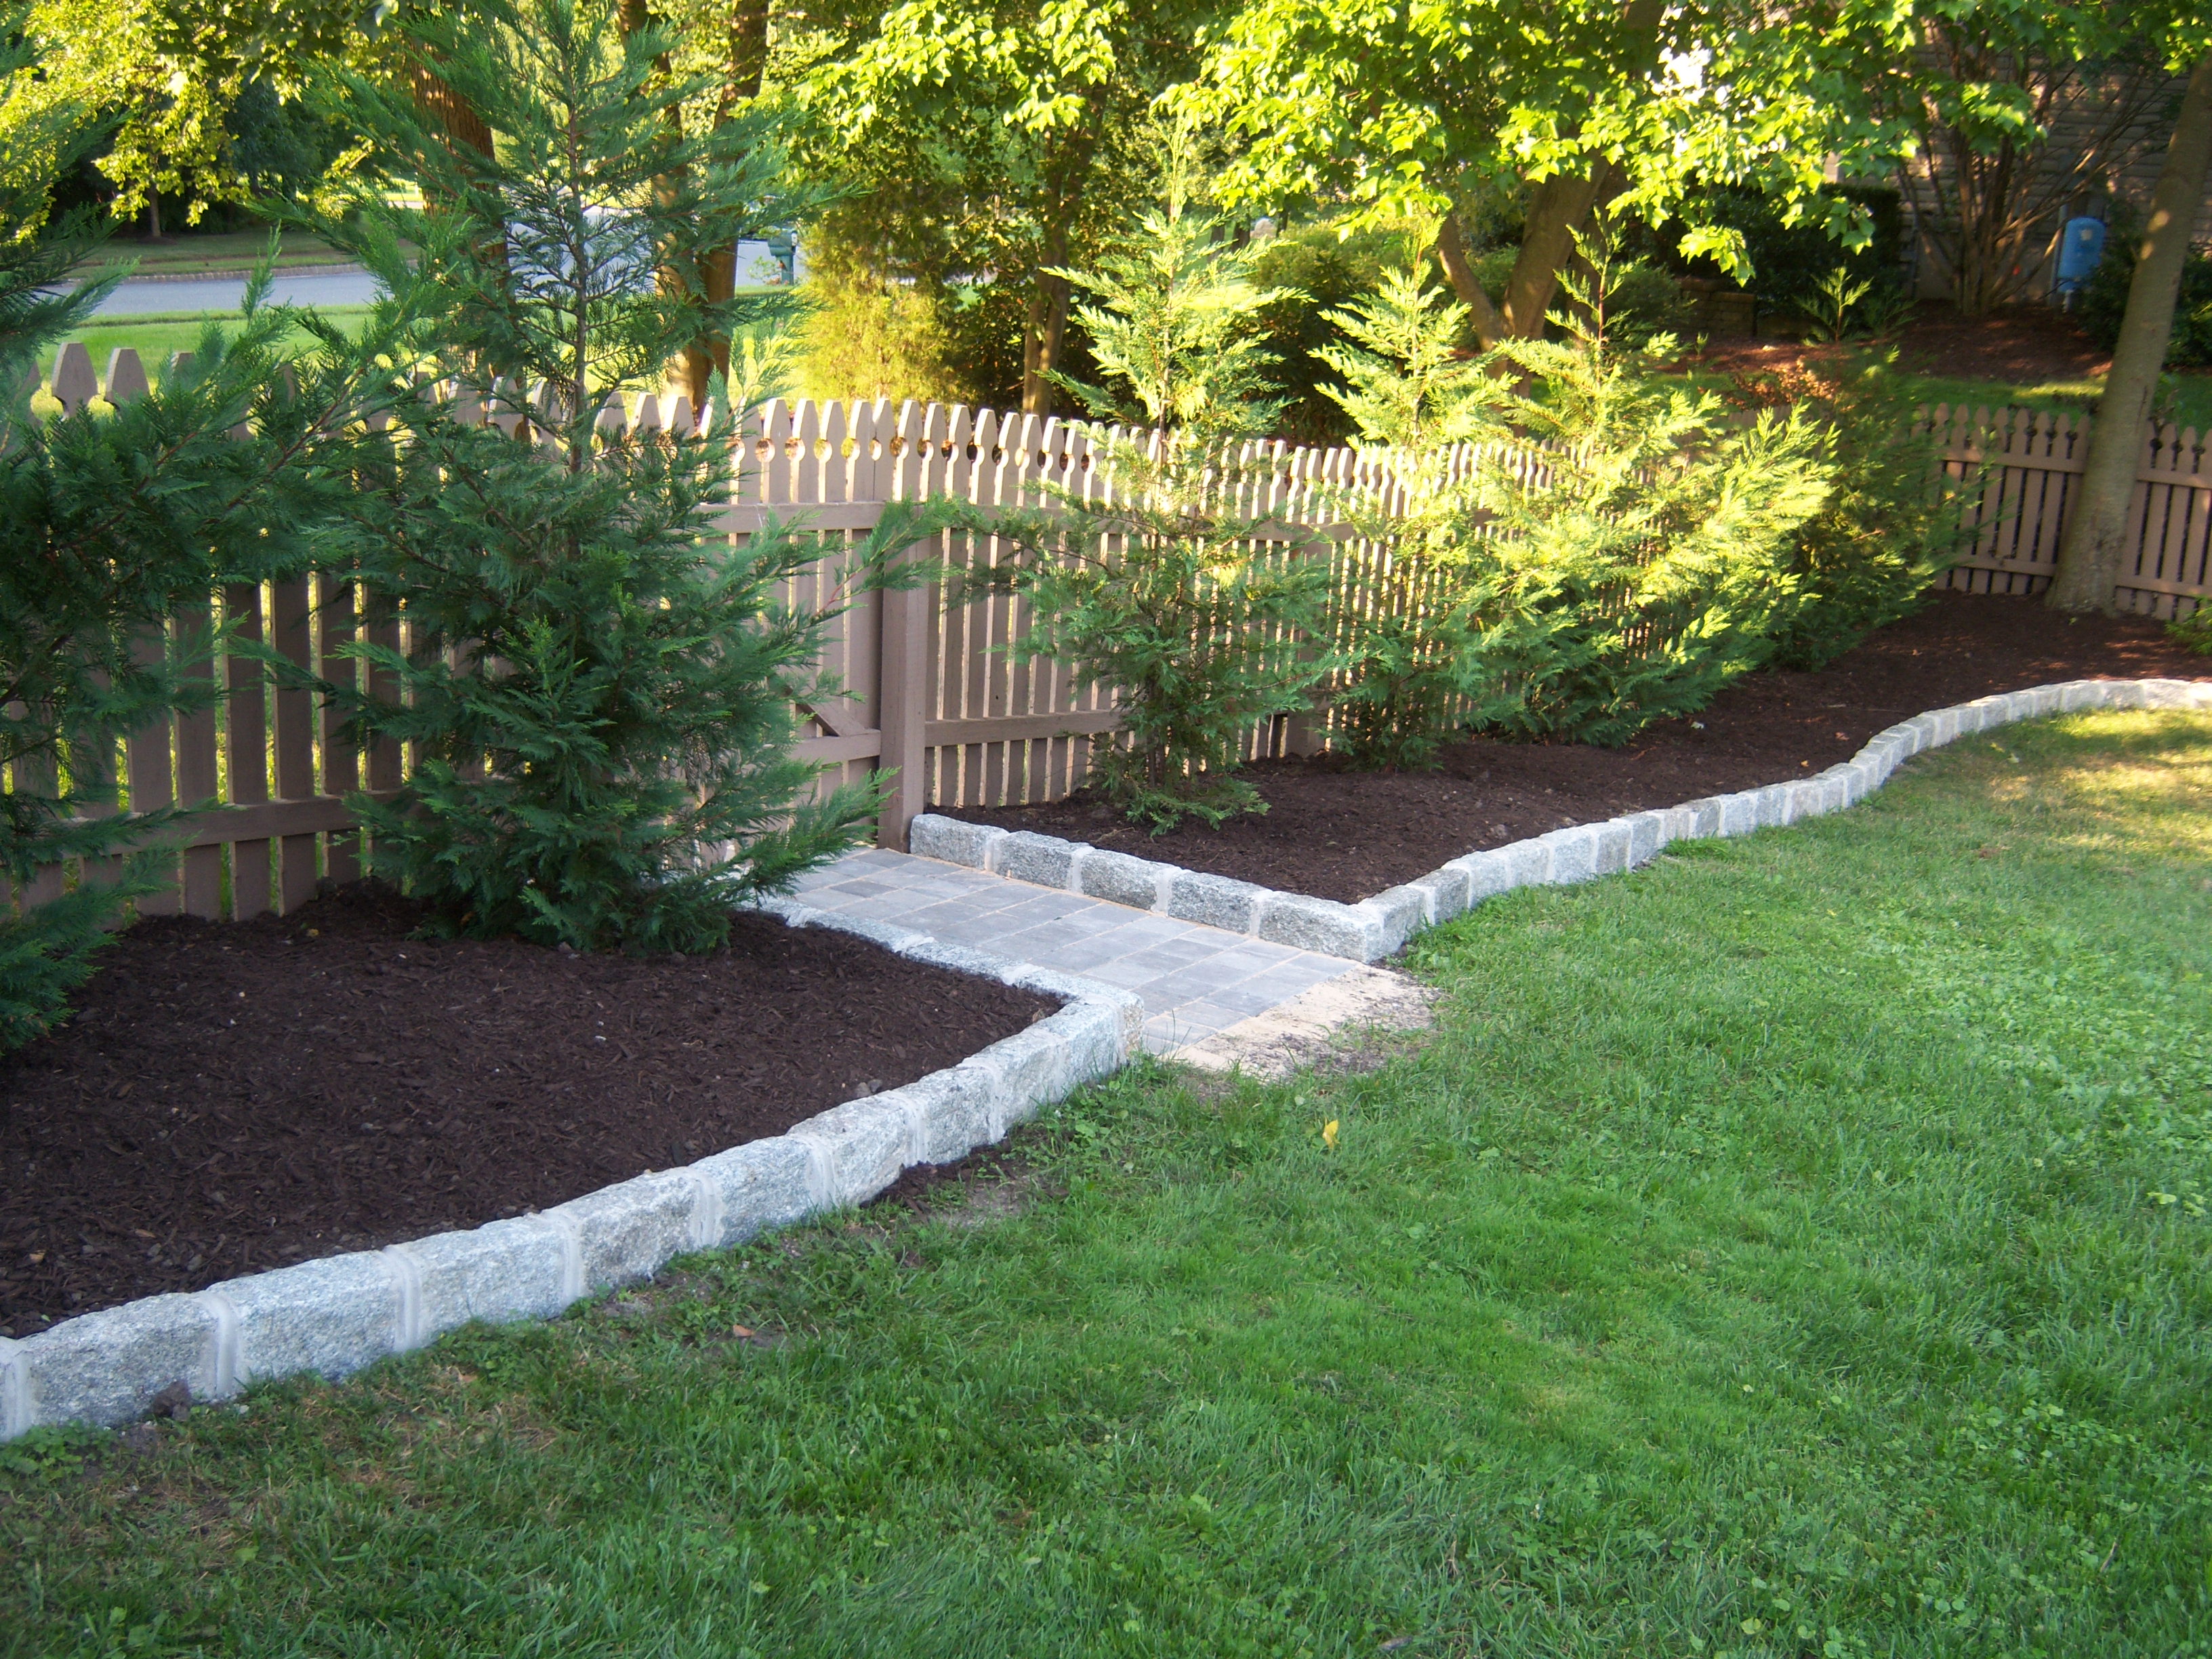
x=1340, y=834
x=229, y=1097
x=2021, y=345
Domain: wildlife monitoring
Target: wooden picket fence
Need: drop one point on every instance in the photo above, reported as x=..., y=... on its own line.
x=928, y=691
x=2023, y=463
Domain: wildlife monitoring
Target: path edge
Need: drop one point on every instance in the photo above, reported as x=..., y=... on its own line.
x=1379, y=926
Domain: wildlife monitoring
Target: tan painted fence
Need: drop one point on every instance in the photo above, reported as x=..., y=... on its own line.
x=929, y=693
x=2028, y=460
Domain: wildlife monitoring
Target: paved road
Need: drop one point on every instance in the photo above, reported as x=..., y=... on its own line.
x=142, y=297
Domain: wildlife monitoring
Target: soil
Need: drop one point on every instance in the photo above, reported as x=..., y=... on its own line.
x=229, y=1097
x=2023, y=345
x=1340, y=834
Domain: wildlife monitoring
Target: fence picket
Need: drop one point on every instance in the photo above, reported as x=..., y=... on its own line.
x=246, y=749
x=148, y=777
x=290, y=613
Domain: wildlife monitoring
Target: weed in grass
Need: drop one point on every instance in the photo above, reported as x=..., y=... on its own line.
x=1788, y=1250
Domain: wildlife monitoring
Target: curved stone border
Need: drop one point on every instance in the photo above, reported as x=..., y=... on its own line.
x=1377, y=927
x=340, y=1313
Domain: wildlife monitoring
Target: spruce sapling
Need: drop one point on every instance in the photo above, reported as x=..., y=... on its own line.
x=598, y=683
x=1151, y=584
x=114, y=520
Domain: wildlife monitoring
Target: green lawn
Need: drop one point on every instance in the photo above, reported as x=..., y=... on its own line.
x=157, y=335
x=218, y=253
x=1798, y=1247
x=2190, y=405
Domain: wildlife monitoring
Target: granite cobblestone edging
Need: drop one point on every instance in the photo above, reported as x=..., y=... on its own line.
x=338, y=1314
x=1379, y=926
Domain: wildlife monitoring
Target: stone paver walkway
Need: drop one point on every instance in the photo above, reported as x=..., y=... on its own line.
x=1195, y=979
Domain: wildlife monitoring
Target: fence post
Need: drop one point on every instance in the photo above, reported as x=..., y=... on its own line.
x=903, y=694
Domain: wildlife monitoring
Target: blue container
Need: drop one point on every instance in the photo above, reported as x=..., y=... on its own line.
x=2079, y=252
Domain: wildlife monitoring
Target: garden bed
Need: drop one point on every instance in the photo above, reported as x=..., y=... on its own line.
x=1338, y=834
x=230, y=1099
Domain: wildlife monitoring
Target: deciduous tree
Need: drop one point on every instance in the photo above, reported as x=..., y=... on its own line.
x=1459, y=110
x=2089, y=558
x=997, y=142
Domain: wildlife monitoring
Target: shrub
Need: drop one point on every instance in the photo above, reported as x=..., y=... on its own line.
x=2104, y=300
x=1789, y=261
x=2194, y=631
x=1316, y=271
x=1645, y=303
x=863, y=336
x=599, y=689
x=1890, y=527
x=1158, y=595
x=110, y=519
x=1407, y=384
x=1647, y=562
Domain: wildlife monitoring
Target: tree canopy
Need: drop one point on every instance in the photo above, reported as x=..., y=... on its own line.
x=172, y=75
x=996, y=139
x=1471, y=112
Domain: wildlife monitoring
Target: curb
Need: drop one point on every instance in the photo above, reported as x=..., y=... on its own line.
x=337, y=1314
x=336, y=268
x=1379, y=926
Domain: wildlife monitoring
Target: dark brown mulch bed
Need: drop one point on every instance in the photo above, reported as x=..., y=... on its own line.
x=1344, y=835
x=228, y=1099
x=2025, y=345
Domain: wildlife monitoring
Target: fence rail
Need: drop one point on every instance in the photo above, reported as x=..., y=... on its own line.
x=929, y=693
x=2023, y=463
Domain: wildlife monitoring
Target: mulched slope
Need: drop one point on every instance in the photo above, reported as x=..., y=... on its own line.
x=2025, y=345
x=1344, y=835
x=228, y=1099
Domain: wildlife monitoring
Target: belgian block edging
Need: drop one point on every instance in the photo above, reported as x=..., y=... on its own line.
x=1377, y=927
x=338, y=1314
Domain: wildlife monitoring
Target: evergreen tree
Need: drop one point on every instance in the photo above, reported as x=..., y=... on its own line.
x=598, y=684
x=112, y=518
x=1153, y=586
x=1628, y=546
x=1174, y=319
x=1408, y=386
x=1157, y=593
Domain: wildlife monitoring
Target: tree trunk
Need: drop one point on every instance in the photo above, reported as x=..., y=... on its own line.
x=744, y=72
x=1560, y=209
x=1045, y=324
x=748, y=56
x=457, y=119
x=637, y=17
x=2089, y=558
x=1458, y=271
x=466, y=135
x=1556, y=215
x=1045, y=327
